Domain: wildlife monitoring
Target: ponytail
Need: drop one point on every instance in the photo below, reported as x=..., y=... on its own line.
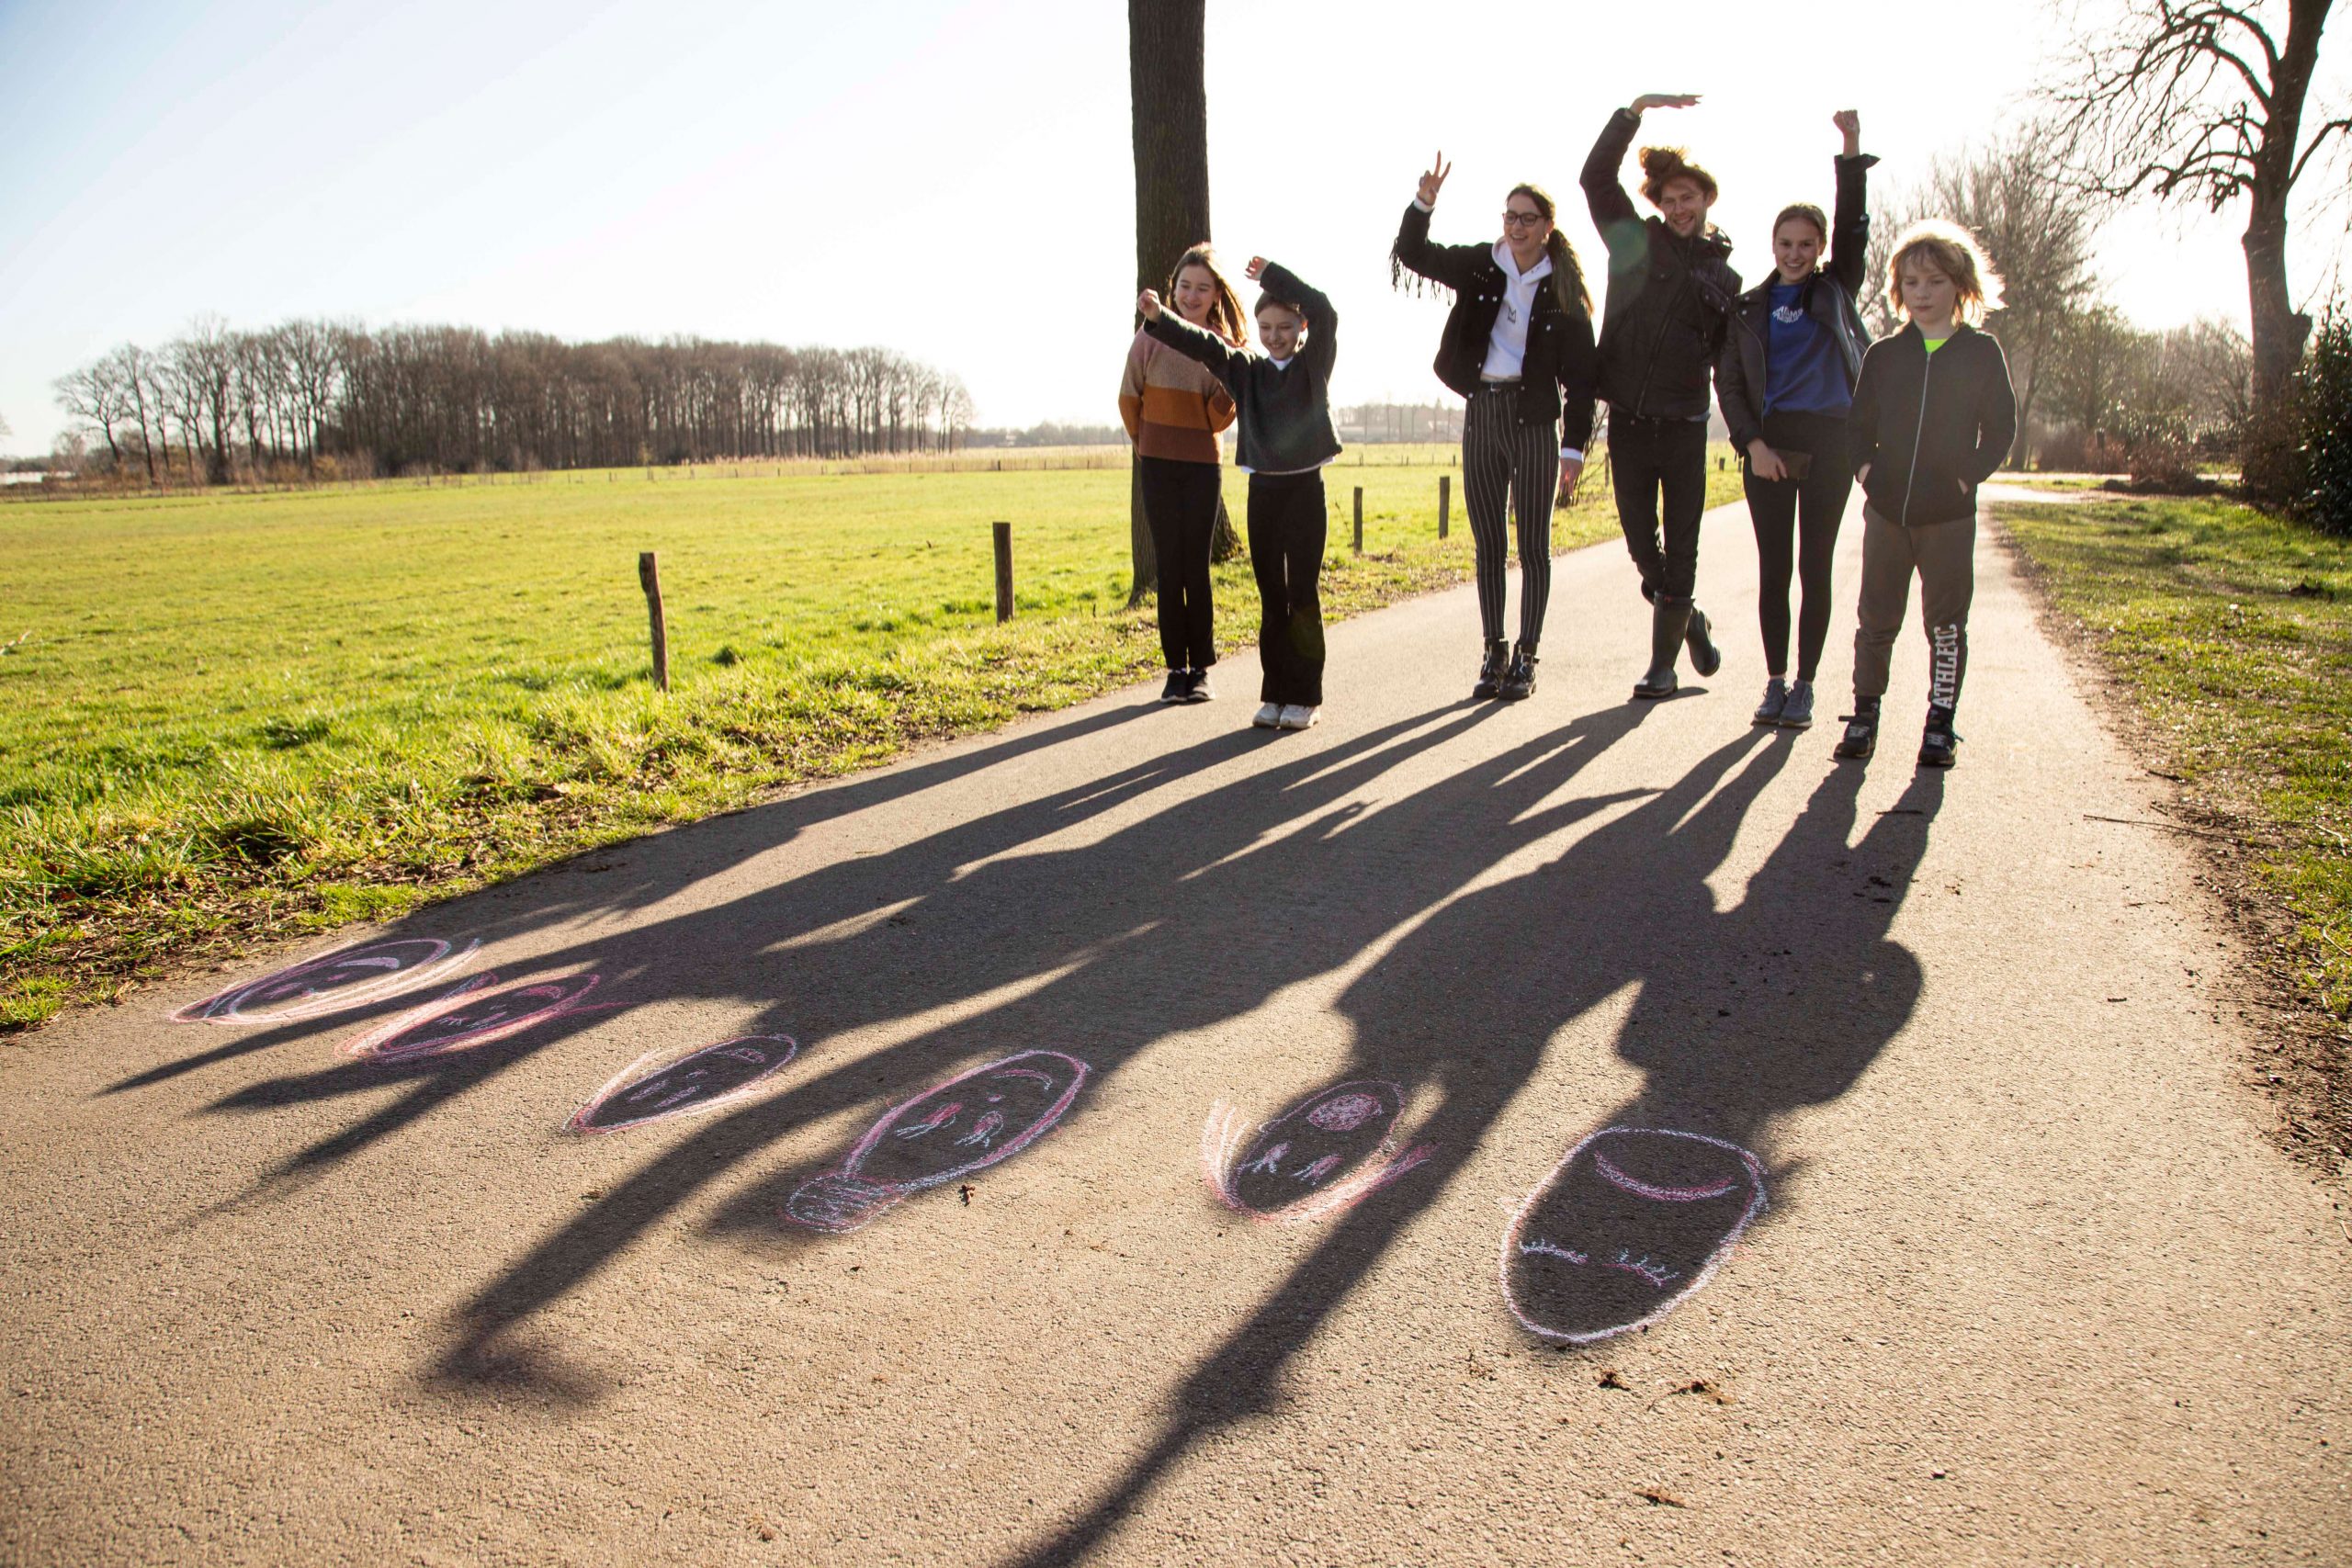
x=1567, y=277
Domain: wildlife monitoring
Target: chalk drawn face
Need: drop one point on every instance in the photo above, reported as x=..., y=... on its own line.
x=703, y=1080
x=963, y=1125
x=1631, y=1222
x=1330, y=1143
x=474, y=1014
x=324, y=985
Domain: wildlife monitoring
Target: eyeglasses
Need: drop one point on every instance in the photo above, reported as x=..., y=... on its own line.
x=1523, y=219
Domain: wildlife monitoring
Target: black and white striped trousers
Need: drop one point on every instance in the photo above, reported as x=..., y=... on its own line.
x=1504, y=461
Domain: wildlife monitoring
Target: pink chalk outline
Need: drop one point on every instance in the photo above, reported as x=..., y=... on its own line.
x=841, y=1199
x=1513, y=1247
x=560, y=1001
x=652, y=1064
x=1227, y=1133
x=228, y=1007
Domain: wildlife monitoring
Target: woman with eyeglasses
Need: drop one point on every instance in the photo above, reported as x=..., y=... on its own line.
x=1519, y=347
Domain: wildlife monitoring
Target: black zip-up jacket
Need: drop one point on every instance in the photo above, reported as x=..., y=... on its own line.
x=1556, y=380
x=1662, y=325
x=1828, y=297
x=1284, y=415
x=1931, y=427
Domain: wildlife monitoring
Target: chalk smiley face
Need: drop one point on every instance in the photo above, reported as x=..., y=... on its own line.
x=1631, y=1222
x=1322, y=1154
x=701, y=1080
x=474, y=1014
x=340, y=979
x=966, y=1124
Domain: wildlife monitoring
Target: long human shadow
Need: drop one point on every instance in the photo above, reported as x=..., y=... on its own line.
x=1466, y=1005
x=1192, y=915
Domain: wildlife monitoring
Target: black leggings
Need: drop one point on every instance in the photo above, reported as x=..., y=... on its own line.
x=1286, y=531
x=1503, y=463
x=1180, y=503
x=1797, y=525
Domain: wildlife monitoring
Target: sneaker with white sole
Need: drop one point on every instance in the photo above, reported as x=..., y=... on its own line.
x=1297, y=716
x=1797, y=712
x=1197, y=688
x=1269, y=717
x=1776, y=699
x=1178, y=684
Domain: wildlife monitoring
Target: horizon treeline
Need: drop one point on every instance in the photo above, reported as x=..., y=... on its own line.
x=217, y=404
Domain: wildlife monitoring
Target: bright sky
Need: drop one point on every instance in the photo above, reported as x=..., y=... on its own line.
x=951, y=179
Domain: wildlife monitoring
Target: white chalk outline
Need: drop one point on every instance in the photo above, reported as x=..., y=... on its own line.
x=224, y=1007
x=369, y=1045
x=654, y=1063
x=1512, y=1246
x=1226, y=1135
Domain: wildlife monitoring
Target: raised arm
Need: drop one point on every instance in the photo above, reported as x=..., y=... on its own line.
x=1322, y=321
x=1224, y=361
x=1850, y=230
x=1613, y=208
x=1413, y=251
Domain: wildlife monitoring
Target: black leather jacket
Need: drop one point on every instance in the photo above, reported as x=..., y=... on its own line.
x=1828, y=299
x=1557, y=379
x=1670, y=298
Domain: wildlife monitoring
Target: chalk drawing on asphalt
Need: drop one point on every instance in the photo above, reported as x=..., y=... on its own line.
x=1631, y=1222
x=943, y=1134
x=476, y=1013
x=1331, y=1149
x=332, y=982
x=653, y=1088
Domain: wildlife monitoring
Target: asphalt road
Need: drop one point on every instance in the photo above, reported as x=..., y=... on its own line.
x=1148, y=1140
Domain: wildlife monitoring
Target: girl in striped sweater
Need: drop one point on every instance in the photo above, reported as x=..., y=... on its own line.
x=1174, y=407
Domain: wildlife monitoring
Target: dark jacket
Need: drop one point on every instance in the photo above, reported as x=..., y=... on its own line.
x=1556, y=381
x=1662, y=325
x=1284, y=413
x=1931, y=427
x=1829, y=298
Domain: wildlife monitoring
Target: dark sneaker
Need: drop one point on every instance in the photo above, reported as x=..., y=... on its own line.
x=1706, y=656
x=1939, y=747
x=1861, y=733
x=1519, y=680
x=1197, y=688
x=1797, y=712
x=1490, y=672
x=1776, y=701
x=1179, y=683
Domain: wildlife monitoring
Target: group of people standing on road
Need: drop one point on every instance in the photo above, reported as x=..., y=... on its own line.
x=1918, y=419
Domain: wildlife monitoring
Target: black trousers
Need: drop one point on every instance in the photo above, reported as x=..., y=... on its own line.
x=1507, y=467
x=1287, y=525
x=1796, y=527
x=1655, y=461
x=1180, y=507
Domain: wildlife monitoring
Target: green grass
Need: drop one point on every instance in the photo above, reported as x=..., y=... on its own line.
x=2233, y=633
x=224, y=717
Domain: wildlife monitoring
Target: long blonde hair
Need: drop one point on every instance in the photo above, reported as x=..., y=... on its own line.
x=1226, y=319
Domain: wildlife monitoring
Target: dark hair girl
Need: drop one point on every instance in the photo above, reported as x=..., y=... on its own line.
x=1174, y=409
x=1786, y=381
x=1519, y=347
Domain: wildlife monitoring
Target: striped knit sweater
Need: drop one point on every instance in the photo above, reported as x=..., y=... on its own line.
x=1172, y=406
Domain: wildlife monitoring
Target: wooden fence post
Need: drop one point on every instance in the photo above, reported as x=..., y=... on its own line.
x=1359, y=518
x=648, y=573
x=1003, y=532
x=1444, y=502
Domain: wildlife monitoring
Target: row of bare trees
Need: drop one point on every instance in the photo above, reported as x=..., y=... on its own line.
x=216, y=403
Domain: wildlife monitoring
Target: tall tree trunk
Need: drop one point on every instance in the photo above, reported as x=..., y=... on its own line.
x=1169, y=94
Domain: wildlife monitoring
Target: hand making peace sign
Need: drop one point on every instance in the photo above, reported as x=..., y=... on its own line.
x=1430, y=182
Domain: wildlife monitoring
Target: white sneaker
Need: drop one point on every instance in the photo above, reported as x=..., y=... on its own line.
x=1270, y=717
x=1297, y=717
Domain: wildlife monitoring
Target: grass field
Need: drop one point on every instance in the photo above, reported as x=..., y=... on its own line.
x=2233, y=633
x=224, y=717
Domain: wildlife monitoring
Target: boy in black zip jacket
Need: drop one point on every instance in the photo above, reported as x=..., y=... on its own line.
x=1284, y=403
x=1671, y=292
x=1933, y=418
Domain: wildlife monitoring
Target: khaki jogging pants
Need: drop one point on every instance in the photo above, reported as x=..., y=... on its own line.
x=1944, y=557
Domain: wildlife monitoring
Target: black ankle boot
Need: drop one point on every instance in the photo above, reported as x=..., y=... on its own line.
x=1939, y=747
x=1490, y=671
x=1706, y=656
x=1519, y=680
x=1861, y=731
x=1669, y=619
